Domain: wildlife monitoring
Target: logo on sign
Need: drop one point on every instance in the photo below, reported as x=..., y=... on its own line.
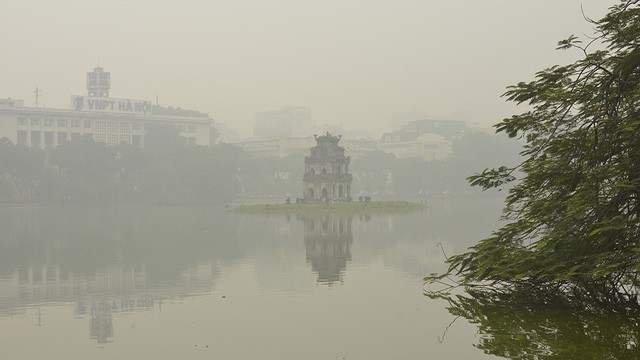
x=78, y=103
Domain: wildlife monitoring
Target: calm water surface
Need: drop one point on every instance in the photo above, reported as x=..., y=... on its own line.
x=199, y=283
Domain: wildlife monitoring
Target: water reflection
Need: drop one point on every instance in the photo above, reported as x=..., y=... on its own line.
x=99, y=265
x=327, y=240
x=534, y=324
x=77, y=254
x=108, y=261
x=101, y=322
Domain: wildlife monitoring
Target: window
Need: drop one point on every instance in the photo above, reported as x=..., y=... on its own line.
x=22, y=137
x=48, y=139
x=136, y=141
x=75, y=123
x=62, y=123
x=87, y=124
x=191, y=129
x=36, y=139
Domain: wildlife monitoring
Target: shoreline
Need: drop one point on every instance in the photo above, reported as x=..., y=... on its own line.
x=372, y=206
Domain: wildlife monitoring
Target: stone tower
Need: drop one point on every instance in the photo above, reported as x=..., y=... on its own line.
x=326, y=171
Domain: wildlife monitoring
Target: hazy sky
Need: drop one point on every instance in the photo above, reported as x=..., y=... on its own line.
x=354, y=62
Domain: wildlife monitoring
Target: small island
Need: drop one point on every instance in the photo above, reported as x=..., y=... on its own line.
x=351, y=206
x=326, y=185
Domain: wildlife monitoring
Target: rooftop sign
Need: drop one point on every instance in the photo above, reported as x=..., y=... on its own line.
x=113, y=105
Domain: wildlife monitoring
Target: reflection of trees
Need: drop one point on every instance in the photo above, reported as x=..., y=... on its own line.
x=327, y=240
x=534, y=324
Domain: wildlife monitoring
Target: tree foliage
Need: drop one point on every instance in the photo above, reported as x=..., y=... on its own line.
x=84, y=171
x=383, y=175
x=573, y=219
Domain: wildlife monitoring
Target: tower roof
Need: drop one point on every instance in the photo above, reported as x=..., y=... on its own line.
x=327, y=138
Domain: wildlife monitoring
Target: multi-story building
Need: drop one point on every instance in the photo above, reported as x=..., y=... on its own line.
x=286, y=122
x=96, y=116
x=426, y=139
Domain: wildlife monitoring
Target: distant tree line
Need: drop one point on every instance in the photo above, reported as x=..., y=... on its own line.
x=169, y=172
x=84, y=171
x=178, y=111
x=382, y=175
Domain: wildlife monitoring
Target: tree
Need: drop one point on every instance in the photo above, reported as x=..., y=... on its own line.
x=573, y=219
x=23, y=174
x=87, y=169
x=161, y=137
x=191, y=174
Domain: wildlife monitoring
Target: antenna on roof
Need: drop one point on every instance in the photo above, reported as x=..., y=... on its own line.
x=38, y=93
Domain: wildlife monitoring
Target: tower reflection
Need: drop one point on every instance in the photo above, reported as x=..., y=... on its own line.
x=101, y=322
x=327, y=241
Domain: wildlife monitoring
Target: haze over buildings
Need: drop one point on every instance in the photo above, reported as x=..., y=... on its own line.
x=356, y=63
x=98, y=117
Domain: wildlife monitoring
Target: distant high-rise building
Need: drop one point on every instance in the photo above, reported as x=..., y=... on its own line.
x=286, y=122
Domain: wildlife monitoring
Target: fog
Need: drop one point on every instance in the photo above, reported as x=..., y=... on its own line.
x=142, y=215
x=356, y=63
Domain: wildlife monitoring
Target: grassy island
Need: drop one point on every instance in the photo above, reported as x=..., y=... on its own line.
x=353, y=206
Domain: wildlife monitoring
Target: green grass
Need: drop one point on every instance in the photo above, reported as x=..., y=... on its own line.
x=355, y=206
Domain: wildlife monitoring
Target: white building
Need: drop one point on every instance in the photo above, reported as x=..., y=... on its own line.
x=426, y=146
x=97, y=116
x=426, y=139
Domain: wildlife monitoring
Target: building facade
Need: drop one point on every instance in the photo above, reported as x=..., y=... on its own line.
x=326, y=173
x=286, y=122
x=425, y=139
x=96, y=116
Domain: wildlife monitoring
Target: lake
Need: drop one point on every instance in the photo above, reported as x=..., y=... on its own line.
x=133, y=282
